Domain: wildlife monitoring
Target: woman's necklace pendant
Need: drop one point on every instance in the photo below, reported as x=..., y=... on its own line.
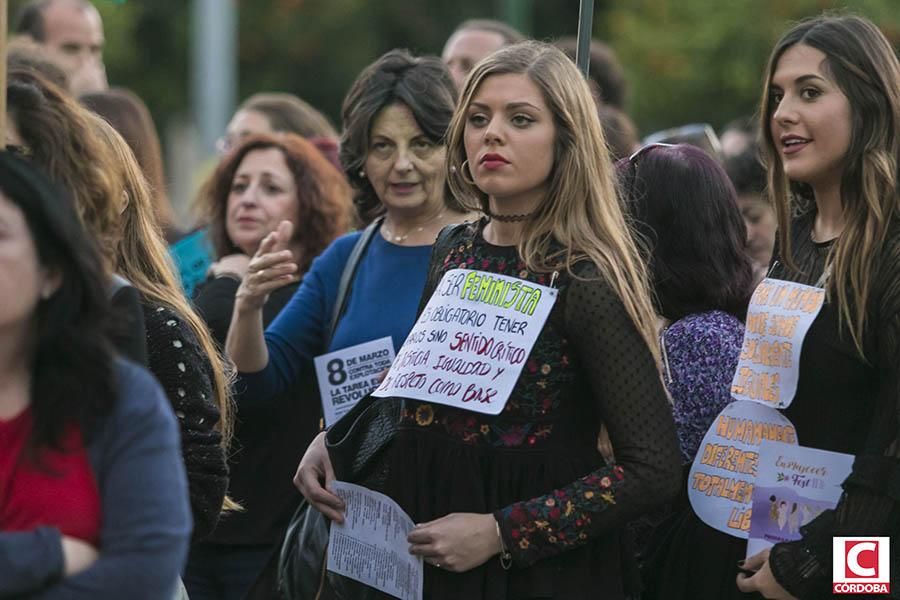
x=402, y=238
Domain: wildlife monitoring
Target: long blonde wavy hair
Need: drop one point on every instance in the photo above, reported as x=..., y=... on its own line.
x=143, y=259
x=582, y=211
x=864, y=66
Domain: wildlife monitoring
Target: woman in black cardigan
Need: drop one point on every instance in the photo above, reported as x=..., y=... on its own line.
x=265, y=180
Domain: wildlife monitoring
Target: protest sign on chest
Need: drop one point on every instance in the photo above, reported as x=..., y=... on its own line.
x=471, y=341
x=724, y=473
x=778, y=319
x=721, y=480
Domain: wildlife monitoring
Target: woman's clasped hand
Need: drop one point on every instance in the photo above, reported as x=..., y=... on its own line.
x=457, y=542
x=762, y=580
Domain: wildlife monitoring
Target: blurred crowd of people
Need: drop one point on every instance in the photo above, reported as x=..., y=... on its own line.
x=156, y=442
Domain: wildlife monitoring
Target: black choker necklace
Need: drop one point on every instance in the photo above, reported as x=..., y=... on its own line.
x=509, y=218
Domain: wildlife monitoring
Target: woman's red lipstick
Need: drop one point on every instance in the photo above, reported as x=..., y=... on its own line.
x=493, y=161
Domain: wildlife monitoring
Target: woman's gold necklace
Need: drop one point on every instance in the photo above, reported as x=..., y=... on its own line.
x=402, y=238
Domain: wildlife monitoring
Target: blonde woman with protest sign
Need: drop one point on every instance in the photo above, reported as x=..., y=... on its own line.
x=519, y=503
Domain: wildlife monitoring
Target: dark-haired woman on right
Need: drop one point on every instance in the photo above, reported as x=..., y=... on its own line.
x=831, y=140
x=685, y=209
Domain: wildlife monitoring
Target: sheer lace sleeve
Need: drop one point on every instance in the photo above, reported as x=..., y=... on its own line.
x=626, y=387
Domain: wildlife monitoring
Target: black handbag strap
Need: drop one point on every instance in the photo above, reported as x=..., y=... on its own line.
x=446, y=234
x=347, y=275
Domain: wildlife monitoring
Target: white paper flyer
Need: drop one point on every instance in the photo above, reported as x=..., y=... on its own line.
x=371, y=547
x=346, y=376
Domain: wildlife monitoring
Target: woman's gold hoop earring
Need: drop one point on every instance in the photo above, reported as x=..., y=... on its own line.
x=462, y=173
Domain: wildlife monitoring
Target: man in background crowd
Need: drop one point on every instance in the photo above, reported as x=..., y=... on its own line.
x=473, y=40
x=71, y=31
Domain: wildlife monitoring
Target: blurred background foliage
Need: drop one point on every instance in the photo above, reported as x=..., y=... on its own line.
x=703, y=60
x=686, y=60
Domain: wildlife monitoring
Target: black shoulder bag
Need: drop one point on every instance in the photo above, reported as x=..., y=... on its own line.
x=354, y=443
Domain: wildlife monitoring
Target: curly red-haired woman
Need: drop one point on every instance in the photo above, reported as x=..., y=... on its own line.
x=262, y=182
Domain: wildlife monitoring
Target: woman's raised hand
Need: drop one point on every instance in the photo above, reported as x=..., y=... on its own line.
x=270, y=268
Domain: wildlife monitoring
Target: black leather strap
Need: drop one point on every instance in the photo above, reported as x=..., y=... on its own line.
x=347, y=275
x=446, y=235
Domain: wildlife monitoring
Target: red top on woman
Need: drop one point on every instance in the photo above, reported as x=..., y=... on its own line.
x=60, y=491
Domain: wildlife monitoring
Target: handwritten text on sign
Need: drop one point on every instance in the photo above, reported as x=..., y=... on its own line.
x=720, y=483
x=778, y=318
x=471, y=341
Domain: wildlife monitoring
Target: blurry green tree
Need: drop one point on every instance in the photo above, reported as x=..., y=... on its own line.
x=703, y=60
x=687, y=60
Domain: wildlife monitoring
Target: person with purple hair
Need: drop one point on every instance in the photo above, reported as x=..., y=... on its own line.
x=685, y=208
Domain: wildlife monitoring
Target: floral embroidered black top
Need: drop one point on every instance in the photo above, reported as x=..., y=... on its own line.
x=535, y=466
